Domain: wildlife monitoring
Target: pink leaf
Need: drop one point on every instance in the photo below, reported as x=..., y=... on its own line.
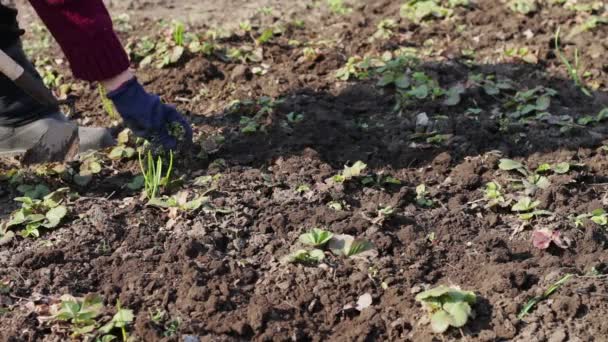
x=542, y=238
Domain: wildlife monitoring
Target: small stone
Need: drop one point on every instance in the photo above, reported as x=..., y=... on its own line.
x=558, y=336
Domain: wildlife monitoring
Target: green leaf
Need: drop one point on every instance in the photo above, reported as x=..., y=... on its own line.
x=453, y=95
x=137, y=183
x=123, y=317
x=358, y=246
x=354, y=171
x=69, y=310
x=440, y=321
x=460, y=312
x=543, y=168
x=525, y=204
x=509, y=165
x=543, y=103
x=108, y=338
x=561, y=168
x=55, y=215
x=316, y=237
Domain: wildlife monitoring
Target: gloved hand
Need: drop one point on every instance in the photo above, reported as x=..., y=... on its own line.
x=147, y=116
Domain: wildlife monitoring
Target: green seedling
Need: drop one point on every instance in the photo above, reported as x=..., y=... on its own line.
x=35, y=214
x=348, y=246
x=494, y=196
x=266, y=10
x=394, y=71
x=584, y=7
x=419, y=10
x=265, y=37
x=385, y=30
x=355, y=67
x=305, y=257
x=246, y=54
x=245, y=26
x=419, y=86
x=80, y=313
x=122, y=150
x=590, y=24
x=574, y=68
x=490, y=84
x=526, y=207
x=532, y=302
x=37, y=191
x=294, y=117
x=350, y=172
x=302, y=189
x=338, y=7
x=180, y=201
x=153, y=173
x=522, y=53
x=533, y=181
x=120, y=320
x=336, y=205
x=525, y=103
x=379, y=180
x=447, y=307
x=422, y=196
x=598, y=216
x=90, y=166
x=523, y=6
x=316, y=237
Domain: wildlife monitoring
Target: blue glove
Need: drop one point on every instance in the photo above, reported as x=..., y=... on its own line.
x=147, y=116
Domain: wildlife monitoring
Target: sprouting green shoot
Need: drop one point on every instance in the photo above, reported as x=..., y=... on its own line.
x=153, y=173
x=108, y=106
x=178, y=33
x=532, y=302
x=573, y=69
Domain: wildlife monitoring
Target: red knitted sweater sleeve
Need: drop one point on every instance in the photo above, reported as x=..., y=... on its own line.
x=83, y=29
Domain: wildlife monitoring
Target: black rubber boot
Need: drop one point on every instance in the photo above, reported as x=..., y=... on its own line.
x=23, y=121
x=17, y=140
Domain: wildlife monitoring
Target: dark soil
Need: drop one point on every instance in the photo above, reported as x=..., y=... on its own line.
x=221, y=274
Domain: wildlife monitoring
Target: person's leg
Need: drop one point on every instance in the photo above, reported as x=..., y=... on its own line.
x=23, y=121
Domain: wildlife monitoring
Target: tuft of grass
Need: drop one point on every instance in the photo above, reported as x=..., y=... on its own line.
x=153, y=173
x=572, y=67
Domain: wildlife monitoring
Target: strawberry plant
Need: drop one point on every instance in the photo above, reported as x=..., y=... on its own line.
x=534, y=101
x=355, y=67
x=494, y=196
x=120, y=320
x=526, y=208
x=316, y=237
x=35, y=214
x=338, y=7
x=349, y=246
x=598, y=216
x=447, y=307
x=523, y=6
x=422, y=196
x=350, y=172
x=385, y=30
x=80, y=313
